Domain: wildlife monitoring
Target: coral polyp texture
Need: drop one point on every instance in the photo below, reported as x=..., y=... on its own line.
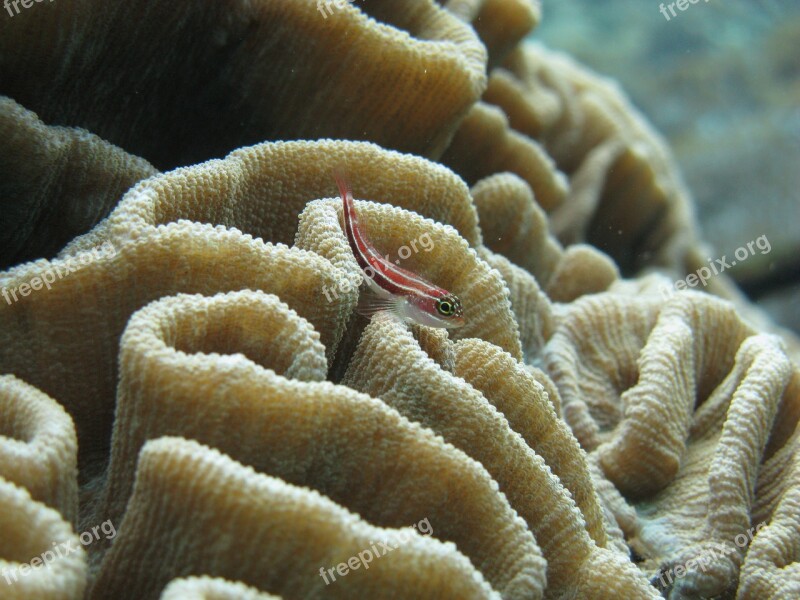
x=183, y=357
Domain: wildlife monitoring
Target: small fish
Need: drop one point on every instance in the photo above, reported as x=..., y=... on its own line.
x=395, y=289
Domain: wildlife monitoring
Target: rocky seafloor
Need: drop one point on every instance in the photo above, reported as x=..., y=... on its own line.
x=188, y=411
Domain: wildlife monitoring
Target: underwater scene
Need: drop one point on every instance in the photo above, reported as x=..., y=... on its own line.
x=408, y=299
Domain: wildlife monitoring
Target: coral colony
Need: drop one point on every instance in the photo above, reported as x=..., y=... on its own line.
x=191, y=377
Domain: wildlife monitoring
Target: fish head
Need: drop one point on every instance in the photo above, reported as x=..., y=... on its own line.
x=442, y=310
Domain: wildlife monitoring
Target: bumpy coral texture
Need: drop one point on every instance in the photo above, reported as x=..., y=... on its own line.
x=680, y=426
x=212, y=588
x=208, y=385
x=43, y=171
x=31, y=529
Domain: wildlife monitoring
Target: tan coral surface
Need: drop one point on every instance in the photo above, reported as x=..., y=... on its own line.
x=180, y=83
x=679, y=425
x=42, y=173
x=33, y=534
x=193, y=368
x=281, y=536
x=38, y=446
x=212, y=588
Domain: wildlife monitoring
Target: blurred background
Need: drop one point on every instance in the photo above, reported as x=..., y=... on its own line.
x=721, y=81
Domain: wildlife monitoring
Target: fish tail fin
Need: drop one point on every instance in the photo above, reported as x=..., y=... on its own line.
x=346, y=192
x=343, y=182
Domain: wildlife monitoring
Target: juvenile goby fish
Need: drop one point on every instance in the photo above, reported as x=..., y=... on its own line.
x=400, y=291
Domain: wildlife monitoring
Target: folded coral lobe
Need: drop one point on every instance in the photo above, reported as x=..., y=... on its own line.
x=199, y=82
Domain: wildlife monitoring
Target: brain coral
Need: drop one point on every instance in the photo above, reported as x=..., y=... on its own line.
x=182, y=359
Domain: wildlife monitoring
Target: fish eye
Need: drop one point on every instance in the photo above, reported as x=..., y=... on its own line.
x=445, y=307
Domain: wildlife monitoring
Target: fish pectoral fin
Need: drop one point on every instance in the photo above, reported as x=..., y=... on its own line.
x=370, y=304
